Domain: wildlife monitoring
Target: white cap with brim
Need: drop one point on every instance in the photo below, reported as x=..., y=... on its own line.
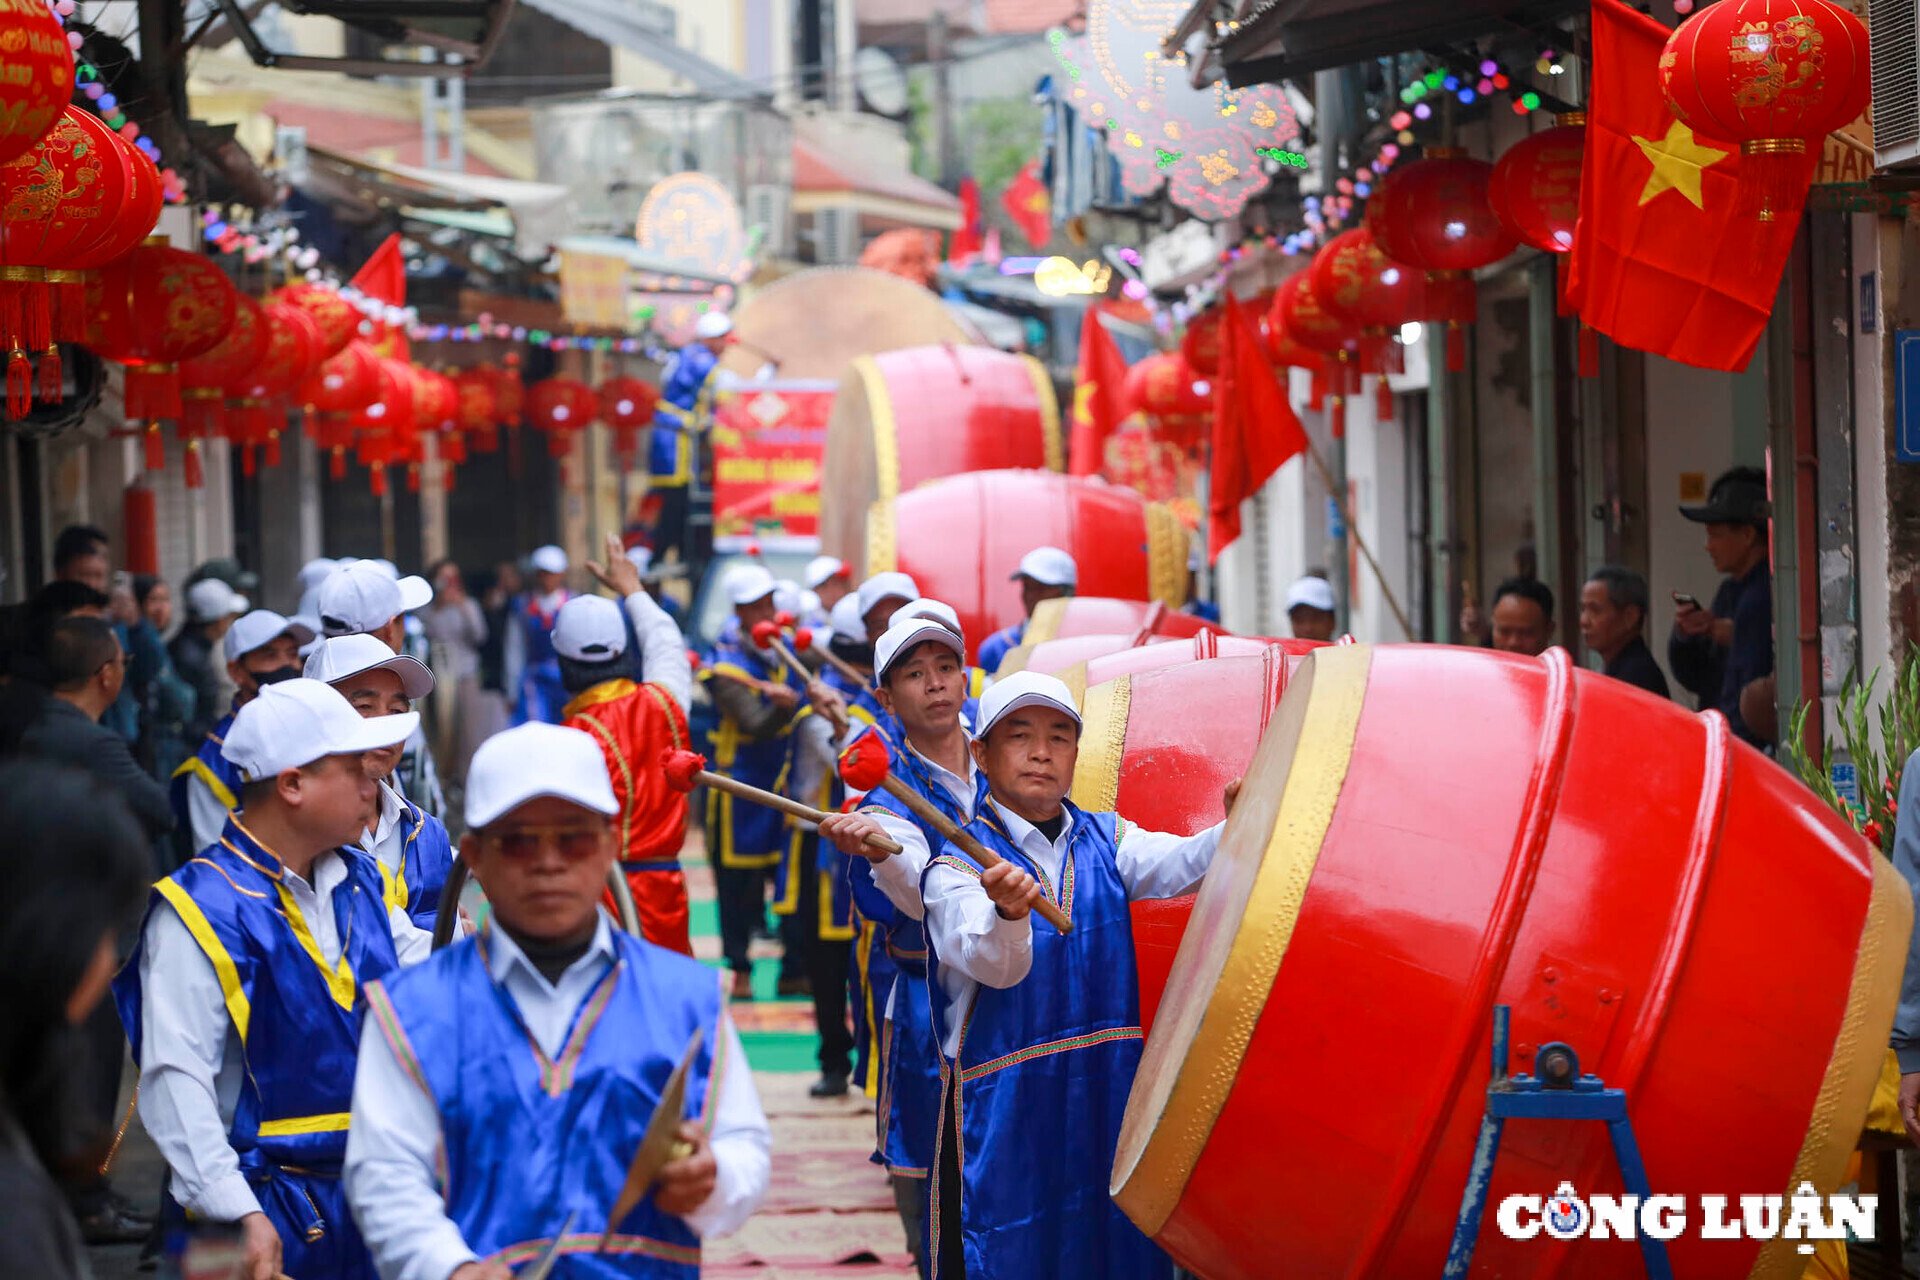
x=210, y=600
x=590, y=629
x=1310, y=592
x=316, y=571
x=749, y=582
x=415, y=591
x=712, y=324
x=549, y=559
x=846, y=621
x=344, y=657
x=886, y=586
x=259, y=629
x=1023, y=689
x=789, y=598
x=533, y=761
x=361, y=597
x=935, y=609
x=1048, y=566
x=296, y=722
x=822, y=569
x=640, y=556
x=902, y=638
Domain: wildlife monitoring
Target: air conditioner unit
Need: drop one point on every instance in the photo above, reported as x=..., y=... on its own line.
x=766, y=208
x=1896, y=81
x=836, y=236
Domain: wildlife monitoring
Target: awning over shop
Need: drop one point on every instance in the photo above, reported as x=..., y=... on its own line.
x=875, y=189
x=647, y=29
x=538, y=209
x=1293, y=37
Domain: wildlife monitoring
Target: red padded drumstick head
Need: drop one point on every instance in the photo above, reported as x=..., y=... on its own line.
x=764, y=632
x=864, y=764
x=802, y=639
x=783, y=620
x=693, y=659
x=681, y=768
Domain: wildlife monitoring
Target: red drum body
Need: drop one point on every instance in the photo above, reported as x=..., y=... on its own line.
x=1077, y=628
x=961, y=537
x=1427, y=832
x=902, y=418
x=1202, y=647
x=1160, y=747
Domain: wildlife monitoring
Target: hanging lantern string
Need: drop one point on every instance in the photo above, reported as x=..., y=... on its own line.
x=93, y=87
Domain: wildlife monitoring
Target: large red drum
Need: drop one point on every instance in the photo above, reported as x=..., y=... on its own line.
x=1427, y=832
x=902, y=418
x=961, y=537
x=1140, y=753
x=1202, y=646
x=1098, y=626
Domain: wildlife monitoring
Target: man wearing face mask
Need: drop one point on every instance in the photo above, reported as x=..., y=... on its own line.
x=261, y=648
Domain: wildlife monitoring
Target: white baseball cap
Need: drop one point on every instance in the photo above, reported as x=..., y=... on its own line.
x=415, y=591
x=589, y=629
x=259, y=629
x=886, y=586
x=747, y=583
x=640, y=556
x=343, y=657
x=361, y=596
x=788, y=598
x=934, y=609
x=824, y=569
x=845, y=621
x=1048, y=566
x=293, y=723
x=1310, y=592
x=549, y=559
x=316, y=571
x=712, y=324
x=904, y=635
x=210, y=599
x=1023, y=689
x=535, y=760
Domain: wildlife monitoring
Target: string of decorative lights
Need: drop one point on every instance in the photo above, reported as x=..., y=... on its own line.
x=93, y=86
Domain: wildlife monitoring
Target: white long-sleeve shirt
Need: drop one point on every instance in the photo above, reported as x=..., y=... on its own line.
x=396, y=1139
x=207, y=814
x=977, y=945
x=663, y=650
x=191, y=1066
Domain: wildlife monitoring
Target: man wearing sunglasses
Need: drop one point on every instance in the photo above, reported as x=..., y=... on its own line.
x=470, y=1151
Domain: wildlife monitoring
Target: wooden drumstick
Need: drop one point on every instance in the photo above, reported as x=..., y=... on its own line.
x=803, y=639
x=867, y=766
x=686, y=770
x=767, y=636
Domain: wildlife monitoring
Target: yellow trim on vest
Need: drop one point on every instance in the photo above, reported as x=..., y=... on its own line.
x=335, y=1122
x=340, y=980
x=198, y=768
x=238, y=1007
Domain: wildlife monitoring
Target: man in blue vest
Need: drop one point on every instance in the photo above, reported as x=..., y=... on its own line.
x=261, y=648
x=1045, y=573
x=410, y=844
x=1039, y=1031
x=242, y=1000
x=505, y=1085
x=533, y=668
x=685, y=397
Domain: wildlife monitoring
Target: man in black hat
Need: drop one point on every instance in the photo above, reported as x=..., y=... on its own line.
x=1715, y=653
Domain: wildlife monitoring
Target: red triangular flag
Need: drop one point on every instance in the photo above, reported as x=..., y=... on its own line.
x=1662, y=260
x=1255, y=429
x=1097, y=404
x=384, y=274
x=967, y=243
x=1029, y=204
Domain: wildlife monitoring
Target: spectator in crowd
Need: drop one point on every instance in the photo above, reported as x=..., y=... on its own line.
x=830, y=578
x=1310, y=608
x=1717, y=652
x=1613, y=622
x=1522, y=616
x=211, y=608
x=496, y=606
x=76, y=873
x=456, y=630
x=80, y=555
x=532, y=670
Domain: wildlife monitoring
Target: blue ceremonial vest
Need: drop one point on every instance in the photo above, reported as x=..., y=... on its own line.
x=804, y=853
x=746, y=835
x=668, y=445
x=426, y=857
x=529, y=1140
x=1043, y=1072
x=994, y=648
x=298, y=1021
x=908, y=1117
x=220, y=774
x=541, y=695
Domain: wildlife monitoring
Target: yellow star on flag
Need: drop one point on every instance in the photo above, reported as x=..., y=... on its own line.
x=1678, y=161
x=1083, y=401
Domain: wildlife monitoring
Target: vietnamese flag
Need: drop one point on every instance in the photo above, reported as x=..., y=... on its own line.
x=1663, y=261
x=1029, y=204
x=1097, y=403
x=1254, y=427
x=967, y=242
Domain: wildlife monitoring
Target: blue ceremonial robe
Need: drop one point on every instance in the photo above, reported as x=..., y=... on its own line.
x=669, y=451
x=426, y=857
x=1042, y=1073
x=299, y=1029
x=745, y=835
x=529, y=1141
x=993, y=650
x=541, y=694
x=207, y=764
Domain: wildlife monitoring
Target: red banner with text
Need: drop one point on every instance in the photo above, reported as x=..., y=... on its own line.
x=769, y=443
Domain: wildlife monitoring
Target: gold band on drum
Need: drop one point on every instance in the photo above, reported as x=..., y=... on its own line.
x=1167, y=545
x=23, y=275
x=883, y=550
x=1104, y=713
x=1051, y=448
x=886, y=431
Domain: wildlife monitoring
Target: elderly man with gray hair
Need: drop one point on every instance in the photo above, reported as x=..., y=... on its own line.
x=1613, y=622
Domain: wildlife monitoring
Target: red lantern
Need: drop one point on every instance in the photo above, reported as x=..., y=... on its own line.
x=1169, y=392
x=561, y=407
x=257, y=401
x=1774, y=76
x=1434, y=214
x=204, y=380
x=387, y=424
x=509, y=394
x=1535, y=187
x=36, y=76
x=478, y=407
x=338, y=389
x=1201, y=346
x=154, y=308
x=626, y=405
x=335, y=317
x=1301, y=316
x=436, y=408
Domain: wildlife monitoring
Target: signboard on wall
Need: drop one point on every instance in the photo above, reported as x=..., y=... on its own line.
x=769, y=444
